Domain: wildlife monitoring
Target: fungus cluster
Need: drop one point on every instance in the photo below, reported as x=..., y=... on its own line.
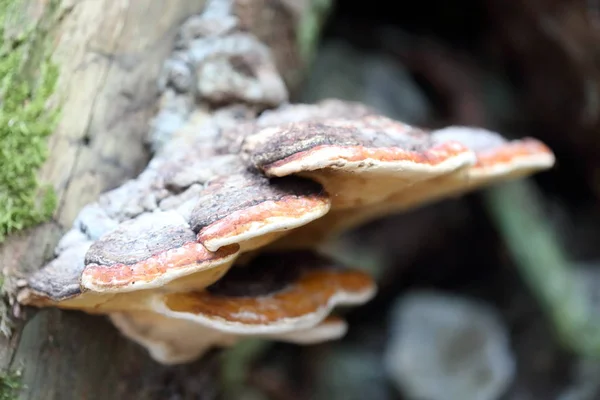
x=218, y=238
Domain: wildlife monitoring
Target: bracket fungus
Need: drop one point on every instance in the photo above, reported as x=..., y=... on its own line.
x=495, y=159
x=200, y=249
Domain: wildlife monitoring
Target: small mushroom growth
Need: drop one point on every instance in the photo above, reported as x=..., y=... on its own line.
x=218, y=238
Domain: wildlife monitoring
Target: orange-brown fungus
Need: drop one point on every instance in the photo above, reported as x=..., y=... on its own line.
x=511, y=151
x=309, y=289
x=161, y=268
x=248, y=222
x=332, y=156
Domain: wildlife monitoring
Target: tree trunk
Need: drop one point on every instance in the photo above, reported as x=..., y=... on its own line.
x=109, y=54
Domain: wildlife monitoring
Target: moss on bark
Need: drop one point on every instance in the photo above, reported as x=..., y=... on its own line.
x=10, y=385
x=27, y=81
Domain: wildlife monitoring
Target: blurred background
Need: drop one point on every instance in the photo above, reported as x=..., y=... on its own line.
x=459, y=299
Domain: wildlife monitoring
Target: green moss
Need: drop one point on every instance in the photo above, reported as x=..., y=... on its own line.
x=10, y=385
x=27, y=80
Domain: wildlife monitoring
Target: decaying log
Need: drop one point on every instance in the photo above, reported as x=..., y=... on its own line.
x=110, y=55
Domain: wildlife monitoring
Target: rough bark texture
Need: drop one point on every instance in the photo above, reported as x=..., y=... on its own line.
x=109, y=54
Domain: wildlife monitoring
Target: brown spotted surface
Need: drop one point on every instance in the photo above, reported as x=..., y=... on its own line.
x=370, y=132
x=141, y=238
x=59, y=280
x=230, y=194
x=191, y=256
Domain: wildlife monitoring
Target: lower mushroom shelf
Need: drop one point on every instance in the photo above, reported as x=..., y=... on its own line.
x=286, y=297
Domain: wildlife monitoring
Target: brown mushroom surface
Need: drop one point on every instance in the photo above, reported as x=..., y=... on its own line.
x=252, y=210
x=153, y=251
x=150, y=251
x=223, y=200
x=359, y=161
x=497, y=160
x=273, y=293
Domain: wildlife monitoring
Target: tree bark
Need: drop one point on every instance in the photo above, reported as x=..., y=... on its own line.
x=109, y=54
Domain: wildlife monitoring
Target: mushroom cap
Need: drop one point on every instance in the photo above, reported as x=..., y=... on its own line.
x=274, y=293
x=236, y=204
x=233, y=138
x=497, y=160
x=153, y=250
x=498, y=157
x=148, y=252
x=251, y=210
x=359, y=161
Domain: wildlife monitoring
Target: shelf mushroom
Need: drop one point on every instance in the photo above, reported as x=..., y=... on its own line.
x=359, y=161
x=186, y=248
x=280, y=297
x=287, y=297
x=496, y=160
